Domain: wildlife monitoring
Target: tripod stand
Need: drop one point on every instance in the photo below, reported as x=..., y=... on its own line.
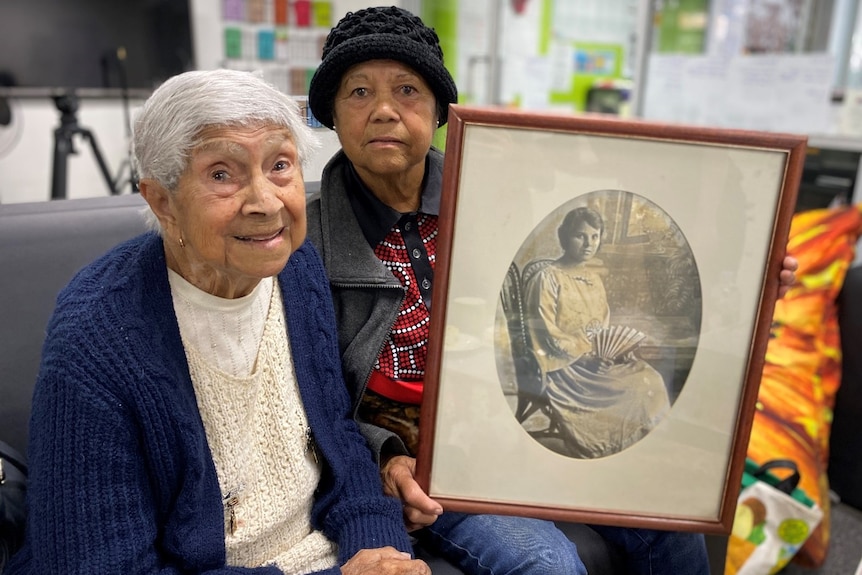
x=64, y=145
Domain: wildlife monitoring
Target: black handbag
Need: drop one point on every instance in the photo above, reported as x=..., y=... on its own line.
x=13, y=510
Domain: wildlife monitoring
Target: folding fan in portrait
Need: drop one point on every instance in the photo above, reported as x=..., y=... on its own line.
x=615, y=341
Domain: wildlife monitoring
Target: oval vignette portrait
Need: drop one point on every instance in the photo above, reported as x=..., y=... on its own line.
x=597, y=324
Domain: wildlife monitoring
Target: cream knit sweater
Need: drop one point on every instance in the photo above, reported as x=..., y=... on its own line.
x=240, y=364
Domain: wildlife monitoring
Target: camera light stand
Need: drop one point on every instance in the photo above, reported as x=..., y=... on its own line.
x=64, y=145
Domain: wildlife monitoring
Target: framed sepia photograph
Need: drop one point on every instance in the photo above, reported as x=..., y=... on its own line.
x=603, y=295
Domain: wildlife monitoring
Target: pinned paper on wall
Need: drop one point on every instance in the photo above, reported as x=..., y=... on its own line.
x=266, y=45
x=233, y=10
x=300, y=78
x=249, y=43
x=596, y=61
x=233, y=43
x=257, y=11
x=303, y=12
x=322, y=14
x=781, y=93
x=536, y=85
x=561, y=57
x=281, y=44
x=281, y=13
x=593, y=20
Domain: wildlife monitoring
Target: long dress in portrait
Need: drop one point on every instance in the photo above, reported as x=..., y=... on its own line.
x=598, y=414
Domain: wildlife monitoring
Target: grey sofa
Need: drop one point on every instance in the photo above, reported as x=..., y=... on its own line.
x=43, y=244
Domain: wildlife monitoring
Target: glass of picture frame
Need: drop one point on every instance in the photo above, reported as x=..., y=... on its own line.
x=604, y=289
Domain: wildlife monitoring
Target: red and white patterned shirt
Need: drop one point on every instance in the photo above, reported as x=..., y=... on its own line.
x=403, y=355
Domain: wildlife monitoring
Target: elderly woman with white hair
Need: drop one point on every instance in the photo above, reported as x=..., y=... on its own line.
x=190, y=414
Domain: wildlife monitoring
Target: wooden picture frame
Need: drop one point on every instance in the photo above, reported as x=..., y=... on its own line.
x=518, y=415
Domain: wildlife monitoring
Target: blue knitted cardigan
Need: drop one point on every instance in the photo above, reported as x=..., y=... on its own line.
x=122, y=479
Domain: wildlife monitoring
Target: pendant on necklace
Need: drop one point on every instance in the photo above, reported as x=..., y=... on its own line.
x=230, y=502
x=310, y=448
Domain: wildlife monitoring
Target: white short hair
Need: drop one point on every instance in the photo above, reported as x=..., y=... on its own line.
x=169, y=124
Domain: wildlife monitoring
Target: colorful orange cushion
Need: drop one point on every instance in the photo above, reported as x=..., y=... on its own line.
x=802, y=370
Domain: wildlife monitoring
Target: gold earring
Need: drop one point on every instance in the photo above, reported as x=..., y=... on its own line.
x=182, y=243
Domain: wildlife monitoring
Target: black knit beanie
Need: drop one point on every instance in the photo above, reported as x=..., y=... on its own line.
x=380, y=34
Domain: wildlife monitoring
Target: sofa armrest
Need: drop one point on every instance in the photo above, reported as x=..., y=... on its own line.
x=42, y=245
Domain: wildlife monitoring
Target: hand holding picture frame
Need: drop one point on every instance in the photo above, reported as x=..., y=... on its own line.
x=556, y=231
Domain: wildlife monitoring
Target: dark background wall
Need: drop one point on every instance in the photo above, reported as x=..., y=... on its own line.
x=73, y=43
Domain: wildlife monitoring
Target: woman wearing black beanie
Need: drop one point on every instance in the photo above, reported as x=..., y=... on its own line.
x=383, y=88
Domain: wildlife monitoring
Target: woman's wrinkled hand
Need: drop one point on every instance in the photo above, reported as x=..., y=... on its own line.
x=384, y=561
x=399, y=480
x=788, y=275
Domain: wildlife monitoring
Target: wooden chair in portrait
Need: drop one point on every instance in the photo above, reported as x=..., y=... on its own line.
x=529, y=384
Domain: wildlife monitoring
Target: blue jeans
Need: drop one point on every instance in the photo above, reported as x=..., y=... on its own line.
x=504, y=545
x=654, y=552
x=499, y=545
